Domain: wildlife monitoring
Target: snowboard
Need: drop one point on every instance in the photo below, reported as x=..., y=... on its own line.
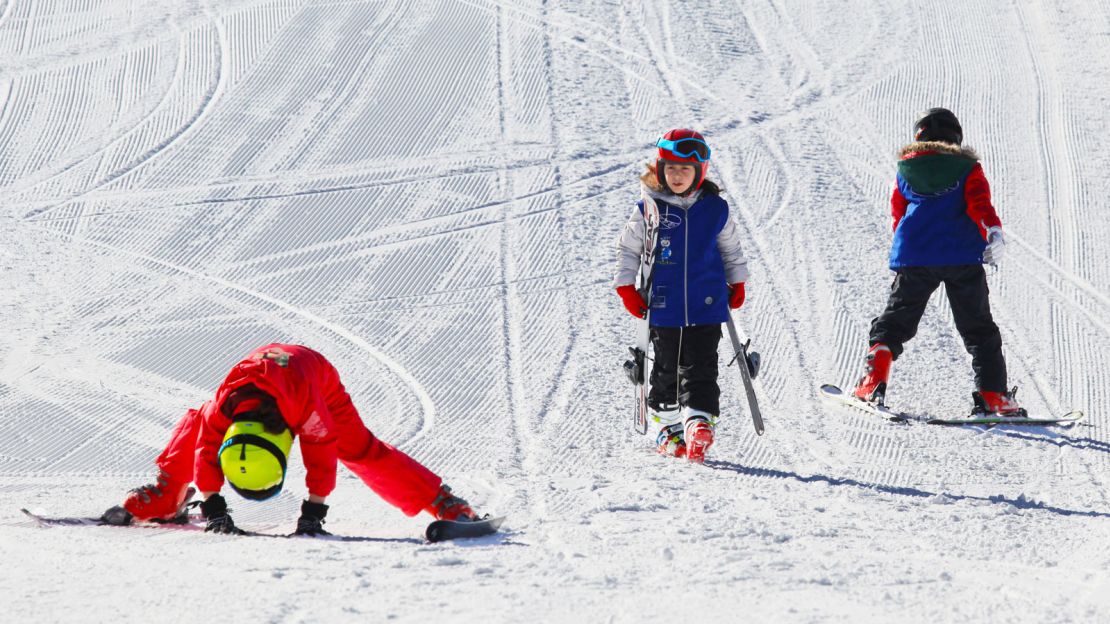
x=834, y=394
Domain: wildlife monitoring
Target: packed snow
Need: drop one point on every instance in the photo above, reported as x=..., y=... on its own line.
x=429, y=193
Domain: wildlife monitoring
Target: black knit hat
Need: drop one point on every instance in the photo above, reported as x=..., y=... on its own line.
x=938, y=124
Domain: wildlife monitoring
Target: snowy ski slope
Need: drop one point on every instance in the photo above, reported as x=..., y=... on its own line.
x=429, y=191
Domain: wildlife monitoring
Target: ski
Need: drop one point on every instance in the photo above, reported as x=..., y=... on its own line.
x=437, y=531
x=192, y=521
x=748, y=363
x=195, y=522
x=441, y=530
x=118, y=516
x=834, y=394
x=1069, y=418
x=636, y=368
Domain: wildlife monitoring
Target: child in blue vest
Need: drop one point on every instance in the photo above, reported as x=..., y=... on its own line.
x=945, y=229
x=699, y=273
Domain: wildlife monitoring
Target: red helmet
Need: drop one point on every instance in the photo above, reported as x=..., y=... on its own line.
x=683, y=146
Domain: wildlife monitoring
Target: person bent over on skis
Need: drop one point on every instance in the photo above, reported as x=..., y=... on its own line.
x=698, y=273
x=945, y=229
x=277, y=393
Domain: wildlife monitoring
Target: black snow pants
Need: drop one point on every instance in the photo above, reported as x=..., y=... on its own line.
x=685, y=367
x=966, y=286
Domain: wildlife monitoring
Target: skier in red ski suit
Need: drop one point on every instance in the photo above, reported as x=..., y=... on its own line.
x=287, y=388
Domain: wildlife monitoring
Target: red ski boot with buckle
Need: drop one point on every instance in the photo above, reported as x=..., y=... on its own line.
x=699, y=435
x=447, y=506
x=872, y=386
x=670, y=441
x=160, y=500
x=1001, y=403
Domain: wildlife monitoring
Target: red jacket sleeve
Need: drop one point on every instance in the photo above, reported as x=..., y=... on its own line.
x=320, y=462
x=209, y=476
x=898, y=205
x=977, y=195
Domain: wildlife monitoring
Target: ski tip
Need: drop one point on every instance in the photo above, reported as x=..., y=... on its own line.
x=442, y=530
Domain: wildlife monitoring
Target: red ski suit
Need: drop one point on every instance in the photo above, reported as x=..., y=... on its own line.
x=318, y=410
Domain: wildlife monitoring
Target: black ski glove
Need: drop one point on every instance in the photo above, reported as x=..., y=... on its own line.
x=311, y=521
x=219, y=520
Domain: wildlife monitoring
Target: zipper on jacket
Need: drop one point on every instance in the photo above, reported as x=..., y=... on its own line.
x=686, y=269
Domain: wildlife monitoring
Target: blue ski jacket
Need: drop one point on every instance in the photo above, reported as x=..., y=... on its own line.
x=697, y=257
x=941, y=207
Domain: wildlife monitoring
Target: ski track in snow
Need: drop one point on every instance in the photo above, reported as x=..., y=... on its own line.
x=428, y=192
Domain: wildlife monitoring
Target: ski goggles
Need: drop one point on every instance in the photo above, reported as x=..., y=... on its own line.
x=686, y=148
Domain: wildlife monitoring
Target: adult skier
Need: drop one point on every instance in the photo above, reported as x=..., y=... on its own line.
x=275, y=394
x=945, y=229
x=698, y=274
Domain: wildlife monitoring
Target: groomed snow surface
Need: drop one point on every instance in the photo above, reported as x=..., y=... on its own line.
x=429, y=192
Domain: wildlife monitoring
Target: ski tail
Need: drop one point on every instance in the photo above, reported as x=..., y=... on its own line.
x=749, y=367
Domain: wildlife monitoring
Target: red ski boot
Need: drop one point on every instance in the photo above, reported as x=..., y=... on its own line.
x=447, y=506
x=160, y=500
x=670, y=441
x=1001, y=403
x=872, y=386
x=668, y=417
x=699, y=435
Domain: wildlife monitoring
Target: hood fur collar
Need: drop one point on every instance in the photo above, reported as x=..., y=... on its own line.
x=939, y=147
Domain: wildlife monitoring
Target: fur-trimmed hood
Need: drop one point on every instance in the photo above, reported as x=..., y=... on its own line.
x=935, y=167
x=939, y=147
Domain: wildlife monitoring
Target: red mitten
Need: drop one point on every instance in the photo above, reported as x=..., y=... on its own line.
x=632, y=300
x=736, y=299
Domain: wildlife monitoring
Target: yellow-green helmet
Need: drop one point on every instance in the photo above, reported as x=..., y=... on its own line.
x=253, y=459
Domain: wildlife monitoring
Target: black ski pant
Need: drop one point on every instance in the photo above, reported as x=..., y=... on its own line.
x=685, y=367
x=966, y=286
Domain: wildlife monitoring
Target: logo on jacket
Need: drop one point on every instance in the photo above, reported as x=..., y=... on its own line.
x=665, y=251
x=275, y=354
x=668, y=221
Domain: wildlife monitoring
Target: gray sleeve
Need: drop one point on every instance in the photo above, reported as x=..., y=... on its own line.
x=728, y=242
x=629, y=247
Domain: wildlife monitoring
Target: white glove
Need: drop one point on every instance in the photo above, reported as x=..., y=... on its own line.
x=996, y=246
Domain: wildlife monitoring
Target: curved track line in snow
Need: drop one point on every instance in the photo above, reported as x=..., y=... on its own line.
x=417, y=388
x=286, y=178
x=31, y=183
x=1052, y=130
x=6, y=12
x=606, y=56
x=203, y=110
x=1078, y=282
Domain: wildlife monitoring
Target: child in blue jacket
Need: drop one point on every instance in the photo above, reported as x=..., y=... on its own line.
x=945, y=229
x=699, y=273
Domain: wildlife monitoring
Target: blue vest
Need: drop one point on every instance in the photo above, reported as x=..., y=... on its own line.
x=688, y=284
x=936, y=230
